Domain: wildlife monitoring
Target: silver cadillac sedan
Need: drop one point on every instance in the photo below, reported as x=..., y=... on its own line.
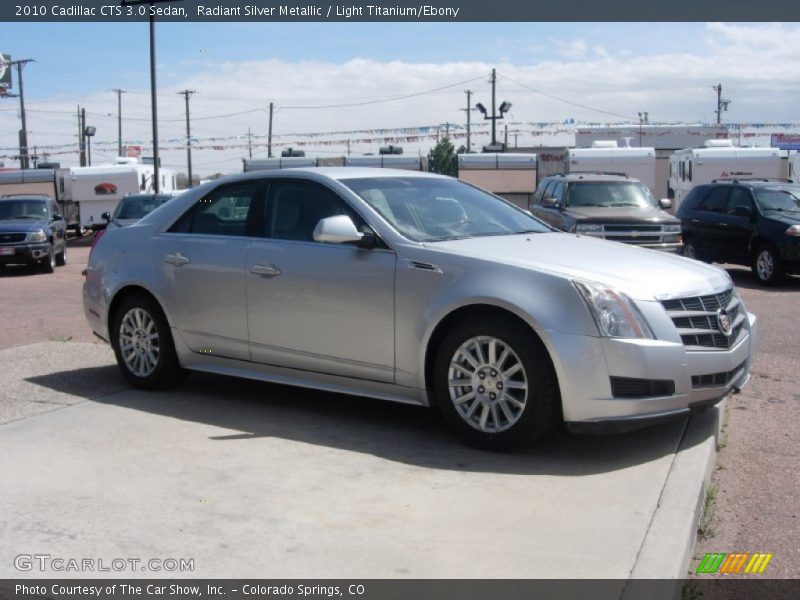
x=416, y=288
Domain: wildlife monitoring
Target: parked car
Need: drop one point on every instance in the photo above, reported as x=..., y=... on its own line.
x=133, y=207
x=416, y=288
x=607, y=205
x=754, y=223
x=32, y=231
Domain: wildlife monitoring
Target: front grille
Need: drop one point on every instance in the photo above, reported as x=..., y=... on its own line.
x=716, y=379
x=697, y=320
x=632, y=233
x=11, y=238
x=627, y=387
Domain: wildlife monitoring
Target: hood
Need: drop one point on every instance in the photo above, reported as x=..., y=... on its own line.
x=790, y=218
x=122, y=222
x=22, y=225
x=639, y=272
x=626, y=214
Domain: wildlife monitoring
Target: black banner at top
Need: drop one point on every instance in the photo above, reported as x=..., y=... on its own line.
x=266, y=11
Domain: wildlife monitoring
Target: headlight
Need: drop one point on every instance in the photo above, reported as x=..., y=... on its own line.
x=36, y=236
x=793, y=231
x=616, y=316
x=588, y=227
x=676, y=228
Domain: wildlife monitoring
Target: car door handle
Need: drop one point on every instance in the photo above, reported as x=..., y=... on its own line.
x=722, y=224
x=176, y=259
x=265, y=269
x=695, y=220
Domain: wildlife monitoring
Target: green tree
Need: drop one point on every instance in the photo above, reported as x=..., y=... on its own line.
x=442, y=158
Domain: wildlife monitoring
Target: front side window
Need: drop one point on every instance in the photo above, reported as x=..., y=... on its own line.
x=225, y=211
x=610, y=194
x=716, y=201
x=295, y=208
x=432, y=209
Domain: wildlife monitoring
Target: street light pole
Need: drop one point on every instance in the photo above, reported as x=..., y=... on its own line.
x=24, y=162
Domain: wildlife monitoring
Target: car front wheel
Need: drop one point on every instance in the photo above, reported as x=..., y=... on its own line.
x=61, y=257
x=49, y=263
x=767, y=266
x=495, y=385
x=143, y=344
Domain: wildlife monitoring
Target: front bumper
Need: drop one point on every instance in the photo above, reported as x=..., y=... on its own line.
x=701, y=379
x=16, y=254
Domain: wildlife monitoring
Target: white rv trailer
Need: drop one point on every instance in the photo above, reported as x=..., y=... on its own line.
x=386, y=161
x=509, y=175
x=719, y=159
x=287, y=162
x=794, y=167
x=608, y=157
x=97, y=189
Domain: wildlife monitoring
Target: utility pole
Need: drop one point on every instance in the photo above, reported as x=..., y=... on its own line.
x=80, y=137
x=186, y=94
x=348, y=147
x=643, y=118
x=83, y=137
x=249, y=143
x=269, y=133
x=505, y=137
x=24, y=162
x=119, y=93
x=494, y=119
x=468, y=110
x=722, y=104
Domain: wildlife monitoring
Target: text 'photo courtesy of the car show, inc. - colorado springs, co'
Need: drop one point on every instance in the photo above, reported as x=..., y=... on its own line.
x=475, y=300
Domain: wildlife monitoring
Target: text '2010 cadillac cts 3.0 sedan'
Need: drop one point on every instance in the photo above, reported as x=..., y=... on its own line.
x=416, y=288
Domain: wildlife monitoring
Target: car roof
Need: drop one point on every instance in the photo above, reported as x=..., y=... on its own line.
x=594, y=176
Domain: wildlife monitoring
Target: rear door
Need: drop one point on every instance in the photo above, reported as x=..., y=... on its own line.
x=710, y=222
x=739, y=229
x=200, y=261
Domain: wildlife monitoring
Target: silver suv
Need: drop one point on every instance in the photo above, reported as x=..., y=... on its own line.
x=416, y=288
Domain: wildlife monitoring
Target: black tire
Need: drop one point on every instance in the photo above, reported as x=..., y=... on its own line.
x=61, y=257
x=690, y=250
x=541, y=410
x=767, y=265
x=49, y=263
x=166, y=371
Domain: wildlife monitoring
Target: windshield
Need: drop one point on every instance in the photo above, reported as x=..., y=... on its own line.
x=781, y=199
x=136, y=207
x=610, y=193
x=23, y=209
x=429, y=210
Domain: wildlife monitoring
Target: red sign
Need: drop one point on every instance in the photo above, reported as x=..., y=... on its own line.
x=104, y=189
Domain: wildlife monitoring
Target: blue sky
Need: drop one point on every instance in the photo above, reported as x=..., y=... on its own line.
x=550, y=72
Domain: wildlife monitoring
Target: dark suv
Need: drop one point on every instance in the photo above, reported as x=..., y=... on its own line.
x=755, y=223
x=32, y=230
x=607, y=205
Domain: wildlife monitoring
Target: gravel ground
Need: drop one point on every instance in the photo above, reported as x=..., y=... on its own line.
x=757, y=500
x=757, y=505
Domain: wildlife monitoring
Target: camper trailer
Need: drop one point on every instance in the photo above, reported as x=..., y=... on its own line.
x=388, y=161
x=96, y=190
x=719, y=160
x=45, y=182
x=511, y=176
x=608, y=157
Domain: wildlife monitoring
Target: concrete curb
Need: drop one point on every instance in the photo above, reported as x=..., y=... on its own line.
x=666, y=551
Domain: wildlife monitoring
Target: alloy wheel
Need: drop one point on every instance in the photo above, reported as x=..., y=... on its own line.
x=139, y=342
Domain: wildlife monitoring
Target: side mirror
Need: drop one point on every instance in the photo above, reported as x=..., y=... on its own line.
x=549, y=202
x=743, y=211
x=106, y=216
x=665, y=203
x=58, y=218
x=337, y=230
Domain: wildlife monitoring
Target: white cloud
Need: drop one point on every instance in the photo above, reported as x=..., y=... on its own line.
x=754, y=63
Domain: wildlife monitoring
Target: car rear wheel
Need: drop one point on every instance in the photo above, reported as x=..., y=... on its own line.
x=143, y=344
x=61, y=257
x=495, y=385
x=767, y=265
x=49, y=263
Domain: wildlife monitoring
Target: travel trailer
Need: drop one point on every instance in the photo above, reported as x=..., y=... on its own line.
x=97, y=189
x=509, y=175
x=719, y=160
x=608, y=157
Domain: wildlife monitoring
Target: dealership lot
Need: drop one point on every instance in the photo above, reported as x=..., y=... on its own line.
x=245, y=477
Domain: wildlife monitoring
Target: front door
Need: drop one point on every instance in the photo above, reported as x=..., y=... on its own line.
x=320, y=307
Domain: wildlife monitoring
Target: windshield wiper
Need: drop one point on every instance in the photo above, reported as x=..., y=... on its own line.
x=623, y=204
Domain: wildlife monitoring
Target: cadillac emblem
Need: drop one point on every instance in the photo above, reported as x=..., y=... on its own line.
x=724, y=322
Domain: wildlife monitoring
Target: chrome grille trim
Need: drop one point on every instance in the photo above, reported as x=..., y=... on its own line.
x=695, y=318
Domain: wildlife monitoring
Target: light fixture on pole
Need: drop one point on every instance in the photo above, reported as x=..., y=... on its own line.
x=89, y=132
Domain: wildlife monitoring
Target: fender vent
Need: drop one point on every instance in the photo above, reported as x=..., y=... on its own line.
x=423, y=266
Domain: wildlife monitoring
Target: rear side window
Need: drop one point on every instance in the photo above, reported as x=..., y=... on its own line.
x=716, y=200
x=225, y=211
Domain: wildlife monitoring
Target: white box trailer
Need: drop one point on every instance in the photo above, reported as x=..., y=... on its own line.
x=509, y=175
x=98, y=189
x=794, y=167
x=287, y=162
x=608, y=157
x=45, y=182
x=719, y=160
x=386, y=161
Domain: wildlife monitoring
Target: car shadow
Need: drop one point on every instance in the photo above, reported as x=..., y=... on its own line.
x=744, y=278
x=396, y=432
x=20, y=270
